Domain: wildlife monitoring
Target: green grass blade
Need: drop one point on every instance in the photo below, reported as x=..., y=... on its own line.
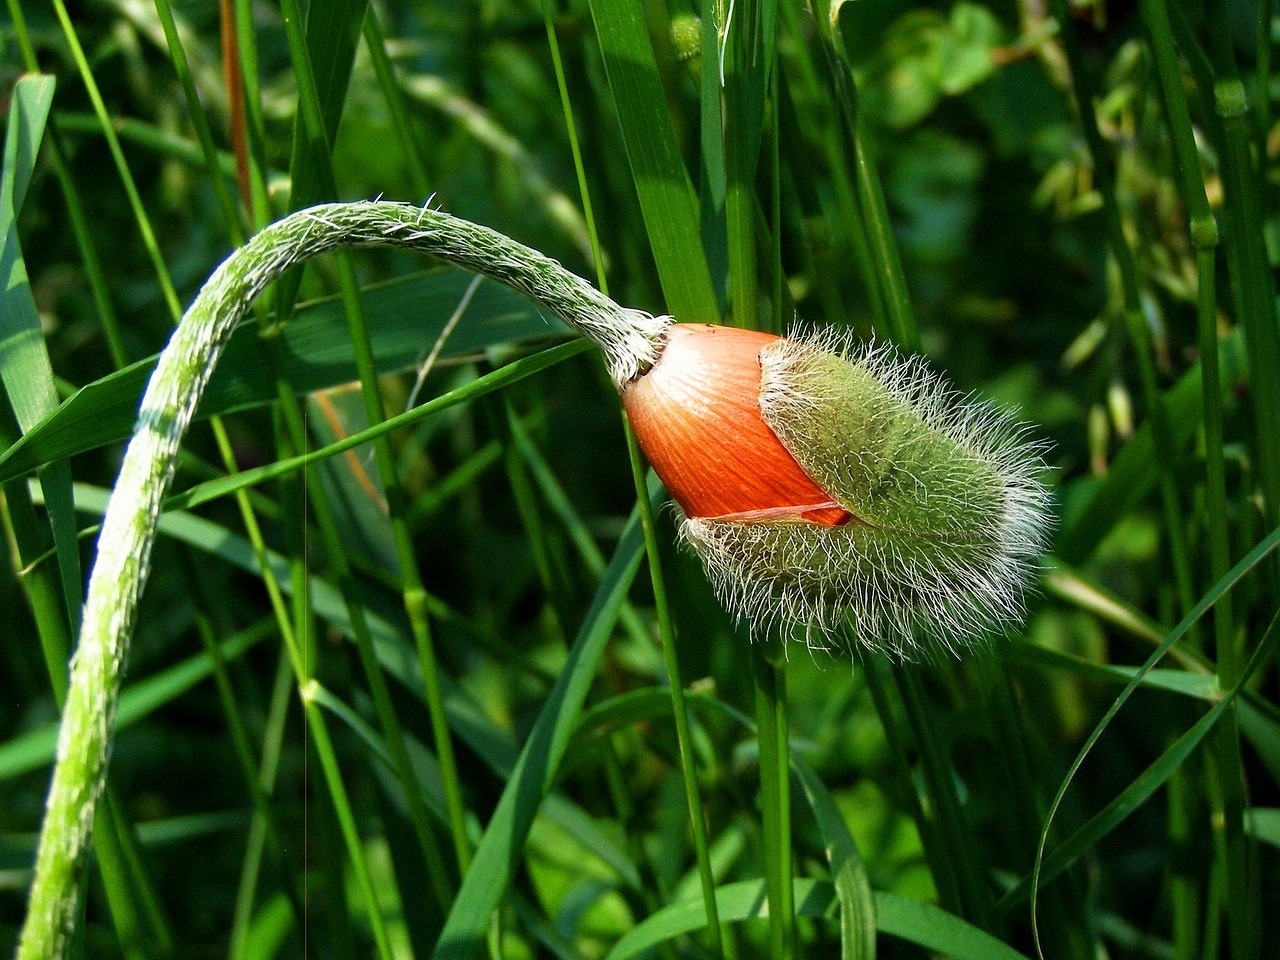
x=25, y=365
x=666, y=196
x=34, y=749
x=935, y=929
x=29, y=105
x=496, y=858
x=849, y=873
x=314, y=354
x=1255, y=556
x=1245, y=243
x=1263, y=823
x=1140, y=789
x=1201, y=686
x=911, y=920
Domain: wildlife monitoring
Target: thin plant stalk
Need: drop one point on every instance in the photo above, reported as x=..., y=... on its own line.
x=769, y=671
x=1204, y=238
x=627, y=337
x=318, y=734
x=721, y=943
x=199, y=120
x=268, y=767
x=1244, y=241
x=392, y=732
x=575, y=148
x=1135, y=320
x=413, y=591
x=303, y=659
x=1255, y=289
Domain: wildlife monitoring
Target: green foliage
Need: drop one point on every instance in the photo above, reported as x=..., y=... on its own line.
x=1066, y=208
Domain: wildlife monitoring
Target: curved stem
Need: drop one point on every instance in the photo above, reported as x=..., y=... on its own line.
x=628, y=338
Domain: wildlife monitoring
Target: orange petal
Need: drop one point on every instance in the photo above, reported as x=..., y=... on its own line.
x=697, y=416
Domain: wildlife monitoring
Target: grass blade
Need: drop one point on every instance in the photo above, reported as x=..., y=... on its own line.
x=666, y=195
x=911, y=920
x=25, y=365
x=314, y=355
x=495, y=859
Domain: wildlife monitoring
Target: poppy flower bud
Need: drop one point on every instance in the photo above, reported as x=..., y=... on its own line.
x=819, y=479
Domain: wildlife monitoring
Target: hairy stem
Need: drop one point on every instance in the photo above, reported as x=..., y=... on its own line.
x=628, y=338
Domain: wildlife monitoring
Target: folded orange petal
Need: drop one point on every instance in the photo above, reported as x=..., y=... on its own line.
x=696, y=413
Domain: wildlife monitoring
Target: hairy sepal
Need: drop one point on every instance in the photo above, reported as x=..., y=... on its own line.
x=949, y=509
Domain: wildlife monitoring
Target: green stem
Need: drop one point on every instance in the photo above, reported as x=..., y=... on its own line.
x=679, y=708
x=199, y=120
x=775, y=796
x=1204, y=238
x=1134, y=316
x=1245, y=243
x=388, y=719
x=628, y=338
x=1255, y=298
x=318, y=733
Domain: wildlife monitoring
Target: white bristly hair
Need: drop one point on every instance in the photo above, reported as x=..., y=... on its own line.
x=950, y=511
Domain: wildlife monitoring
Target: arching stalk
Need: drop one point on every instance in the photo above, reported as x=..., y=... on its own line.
x=628, y=338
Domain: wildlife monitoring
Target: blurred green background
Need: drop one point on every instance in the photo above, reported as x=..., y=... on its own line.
x=921, y=172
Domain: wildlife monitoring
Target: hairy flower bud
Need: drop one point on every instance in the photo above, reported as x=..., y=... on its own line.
x=819, y=479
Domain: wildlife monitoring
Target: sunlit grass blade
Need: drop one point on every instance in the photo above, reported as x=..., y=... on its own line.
x=313, y=354
x=34, y=748
x=1134, y=795
x=1201, y=686
x=496, y=857
x=1263, y=549
x=910, y=920
x=25, y=365
x=662, y=183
